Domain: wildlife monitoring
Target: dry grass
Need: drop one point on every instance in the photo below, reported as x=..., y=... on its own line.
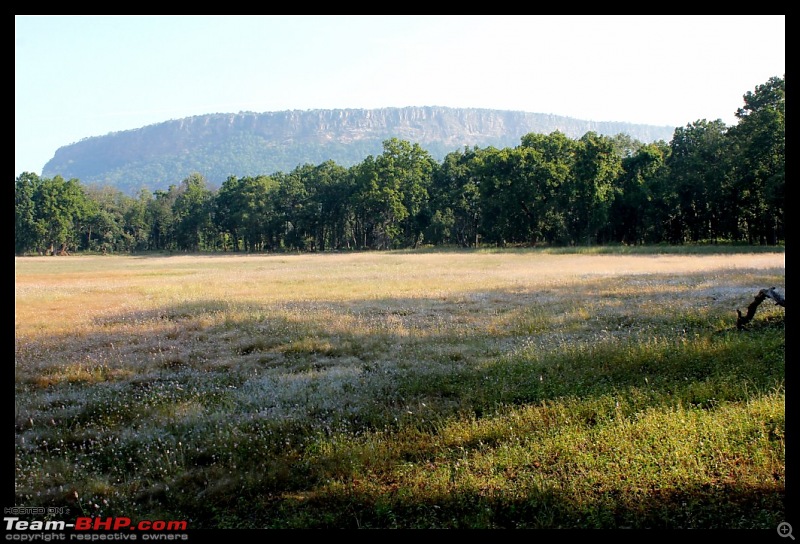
x=75, y=295
x=314, y=382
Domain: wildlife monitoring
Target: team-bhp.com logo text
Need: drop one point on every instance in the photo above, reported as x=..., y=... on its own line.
x=150, y=530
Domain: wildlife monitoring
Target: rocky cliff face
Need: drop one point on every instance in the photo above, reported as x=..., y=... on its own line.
x=451, y=126
x=246, y=143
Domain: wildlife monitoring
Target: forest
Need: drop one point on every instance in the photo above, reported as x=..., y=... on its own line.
x=710, y=184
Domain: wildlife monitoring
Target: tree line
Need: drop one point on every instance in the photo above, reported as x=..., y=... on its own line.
x=709, y=183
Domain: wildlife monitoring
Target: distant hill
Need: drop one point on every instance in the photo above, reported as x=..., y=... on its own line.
x=219, y=145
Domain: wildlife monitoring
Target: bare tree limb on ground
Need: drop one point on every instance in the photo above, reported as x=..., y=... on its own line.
x=763, y=294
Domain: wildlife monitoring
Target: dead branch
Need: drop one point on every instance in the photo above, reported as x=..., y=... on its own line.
x=762, y=295
x=777, y=297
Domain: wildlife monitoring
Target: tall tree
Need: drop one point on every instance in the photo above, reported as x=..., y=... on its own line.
x=27, y=235
x=697, y=165
x=295, y=215
x=405, y=170
x=227, y=214
x=377, y=206
x=591, y=188
x=325, y=213
x=549, y=171
x=390, y=201
x=135, y=222
x=759, y=171
x=192, y=212
x=501, y=213
x=634, y=202
x=60, y=207
x=455, y=199
x=161, y=218
x=102, y=228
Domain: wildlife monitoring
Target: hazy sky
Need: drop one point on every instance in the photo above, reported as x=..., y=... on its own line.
x=82, y=76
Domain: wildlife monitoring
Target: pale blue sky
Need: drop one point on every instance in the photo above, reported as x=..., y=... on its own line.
x=83, y=76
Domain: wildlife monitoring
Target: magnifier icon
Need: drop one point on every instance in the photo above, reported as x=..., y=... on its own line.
x=784, y=529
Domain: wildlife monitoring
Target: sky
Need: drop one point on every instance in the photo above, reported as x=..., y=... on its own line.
x=83, y=76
